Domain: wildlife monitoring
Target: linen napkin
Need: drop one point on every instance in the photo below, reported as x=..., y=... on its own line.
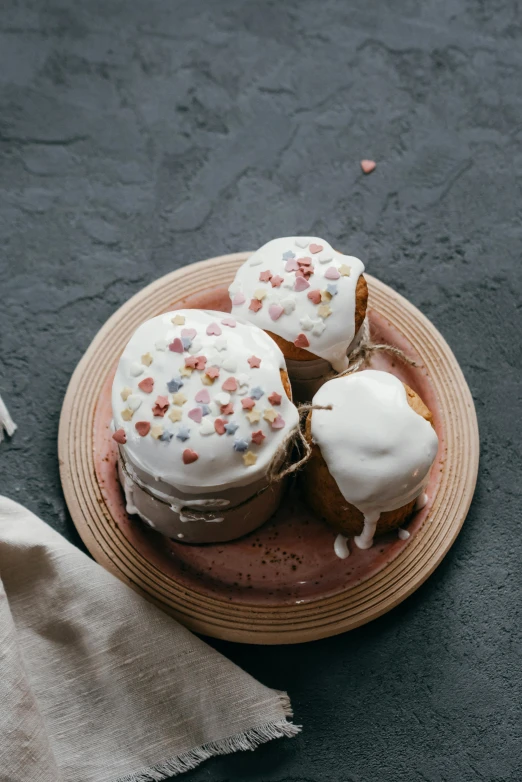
x=97, y=685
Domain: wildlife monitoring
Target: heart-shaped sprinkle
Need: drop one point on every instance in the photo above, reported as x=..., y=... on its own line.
x=227, y=409
x=230, y=384
x=125, y=393
x=332, y=273
x=288, y=304
x=301, y=341
x=136, y=369
x=229, y=322
x=278, y=422
x=127, y=414
x=274, y=398
x=203, y=396
x=314, y=296
x=248, y=403
x=212, y=372
x=276, y=281
x=207, y=427
x=325, y=258
x=134, y=401
x=222, y=398
x=176, y=346
x=275, y=311
x=219, y=426
x=146, y=385
x=255, y=305
x=146, y=359
x=301, y=284
x=196, y=414
x=258, y=437
x=265, y=276
x=316, y=248
x=255, y=260
x=301, y=242
x=368, y=166
x=230, y=364
x=142, y=427
x=291, y=265
x=254, y=362
x=213, y=328
x=190, y=333
x=189, y=456
x=120, y=436
x=238, y=299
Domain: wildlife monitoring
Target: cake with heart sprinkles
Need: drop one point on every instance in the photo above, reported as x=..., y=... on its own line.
x=373, y=445
x=312, y=301
x=201, y=409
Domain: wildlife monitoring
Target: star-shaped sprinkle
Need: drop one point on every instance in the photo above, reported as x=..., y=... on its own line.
x=161, y=406
x=319, y=327
x=276, y=281
x=178, y=320
x=186, y=342
x=269, y=414
x=179, y=399
x=183, y=433
x=265, y=276
x=205, y=409
x=186, y=371
x=174, y=384
x=274, y=398
x=231, y=427
x=243, y=379
x=249, y=458
x=227, y=409
x=254, y=416
x=325, y=296
x=146, y=359
x=212, y=372
x=240, y=444
x=136, y=369
x=259, y=294
x=175, y=415
x=248, y=403
x=127, y=414
x=221, y=343
x=254, y=362
x=160, y=344
x=126, y=392
x=120, y=436
x=201, y=362
x=306, y=323
x=345, y=270
x=255, y=305
x=258, y=437
x=332, y=289
x=288, y=304
x=191, y=361
x=166, y=436
x=206, y=380
x=142, y=427
x=288, y=255
x=324, y=311
x=256, y=392
x=156, y=432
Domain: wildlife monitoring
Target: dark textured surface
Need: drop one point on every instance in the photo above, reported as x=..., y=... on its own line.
x=137, y=137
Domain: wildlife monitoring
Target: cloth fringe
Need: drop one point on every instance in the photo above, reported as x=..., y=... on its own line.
x=248, y=740
x=6, y=422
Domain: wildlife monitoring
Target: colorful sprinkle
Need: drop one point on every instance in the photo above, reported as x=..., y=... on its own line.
x=203, y=396
x=300, y=242
x=243, y=379
x=276, y=281
x=142, y=427
x=332, y=289
x=274, y=398
x=213, y=329
x=265, y=276
x=227, y=409
x=288, y=304
x=160, y=344
x=278, y=422
x=120, y=436
x=291, y=265
x=254, y=362
x=230, y=364
x=205, y=409
x=219, y=426
x=179, y=399
x=240, y=445
x=207, y=427
x=156, y=432
x=319, y=327
x=176, y=346
x=332, y=273
x=201, y=362
x=136, y=369
x=190, y=333
x=125, y=393
x=186, y=371
x=231, y=427
x=306, y=323
x=166, y=436
x=260, y=294
x=345, y=270
x=304, y=261
x=146, y=385
x=314, y=296
x=325, y=258
x=275, y=311
x=212, y=372
x=174, y=384
x=186, y=342
x=316, y=248
x=249, y=458
x=222, y=398
x=175, y=415
x=256, y=392
x=189, y=456
x=325, y=296
x=196, y=414
x=248, y=403
x=269, y=414
x=255, y=305
x=146, y=359
x=368, y=166
x=288, y=255
x=183, y=433
x=301, y=341
x=221, y=343
x=127, y=414
x=230, y=322
x=238, y=299
x=161, y=406
x=178, y=320
x=254, y=416
x=258, y=437
x=230, y=384
x=324, y=311
x=191, y=361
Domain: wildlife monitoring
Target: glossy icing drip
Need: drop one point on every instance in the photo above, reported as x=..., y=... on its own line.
x=341, y=547
x=315, y=311
x=198, y=402
x=377, y=448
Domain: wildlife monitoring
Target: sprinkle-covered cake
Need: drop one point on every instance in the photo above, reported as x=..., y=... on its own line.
x=312, y=301
x=373, y=446
x=201, y=409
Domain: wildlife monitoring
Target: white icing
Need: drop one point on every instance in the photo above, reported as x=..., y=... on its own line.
x=341, y=547
x=377, y=448
x=218, y=466
x=403, y=533
x=422, y=501
x=329, y=337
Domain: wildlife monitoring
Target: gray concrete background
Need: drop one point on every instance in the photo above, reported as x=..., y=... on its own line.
x=137, y=137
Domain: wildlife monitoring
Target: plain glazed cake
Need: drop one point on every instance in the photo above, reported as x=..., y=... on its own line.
x=201, y=409
x=372, y=452
x=310, y=299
